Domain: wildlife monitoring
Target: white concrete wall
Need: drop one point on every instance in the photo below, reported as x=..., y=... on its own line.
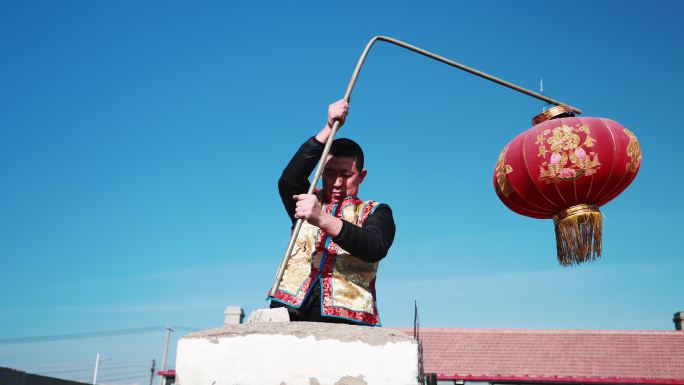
x=297, y=353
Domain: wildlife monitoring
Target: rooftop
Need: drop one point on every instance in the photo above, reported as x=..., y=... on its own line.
x=588, y=356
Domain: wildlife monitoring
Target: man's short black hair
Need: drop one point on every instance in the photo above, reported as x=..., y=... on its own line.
x=348, y=148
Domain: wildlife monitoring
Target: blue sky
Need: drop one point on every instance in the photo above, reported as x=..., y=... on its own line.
x=141, y=143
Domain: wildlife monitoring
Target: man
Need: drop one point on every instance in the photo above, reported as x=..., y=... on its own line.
x=330, y=276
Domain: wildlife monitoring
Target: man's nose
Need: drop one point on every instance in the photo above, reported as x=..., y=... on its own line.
x=338, y=181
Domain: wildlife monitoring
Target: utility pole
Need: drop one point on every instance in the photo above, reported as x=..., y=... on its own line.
x=97, y=365
x=169, y=329
x=152, y=371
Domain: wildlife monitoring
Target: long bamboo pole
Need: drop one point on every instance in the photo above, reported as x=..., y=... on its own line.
x=347, y=96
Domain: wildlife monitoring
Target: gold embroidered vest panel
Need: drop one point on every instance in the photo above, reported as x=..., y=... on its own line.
x=347, y=282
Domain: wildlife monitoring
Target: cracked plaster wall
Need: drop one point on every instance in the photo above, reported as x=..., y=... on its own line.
x=297, y=353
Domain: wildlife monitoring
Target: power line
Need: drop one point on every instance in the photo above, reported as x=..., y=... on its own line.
x=36, y=368
x=140, y=372
x=124, y=378
x=76, y=336
x=51, y=372
x=109, y=377
x=59, y=367
x=186, y=328
x=119, y=366
x=90, y=368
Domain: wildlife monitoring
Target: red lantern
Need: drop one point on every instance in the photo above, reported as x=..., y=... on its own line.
x=564, y=168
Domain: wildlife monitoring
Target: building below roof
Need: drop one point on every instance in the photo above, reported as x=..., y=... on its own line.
x=553, y=356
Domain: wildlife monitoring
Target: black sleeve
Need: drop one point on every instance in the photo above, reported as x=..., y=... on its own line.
x=295, y=177
x=372, y=241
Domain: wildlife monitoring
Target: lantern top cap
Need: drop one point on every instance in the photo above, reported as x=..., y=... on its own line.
x=560, y=111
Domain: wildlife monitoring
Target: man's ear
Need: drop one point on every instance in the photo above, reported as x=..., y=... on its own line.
x=362, y=175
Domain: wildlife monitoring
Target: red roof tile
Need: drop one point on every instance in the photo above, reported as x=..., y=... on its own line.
x=655, y=357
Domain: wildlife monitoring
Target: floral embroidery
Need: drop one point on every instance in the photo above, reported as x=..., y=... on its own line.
x=633, y=151
x=571, y=158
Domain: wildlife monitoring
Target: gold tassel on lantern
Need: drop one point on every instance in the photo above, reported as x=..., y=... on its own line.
x=578, y=234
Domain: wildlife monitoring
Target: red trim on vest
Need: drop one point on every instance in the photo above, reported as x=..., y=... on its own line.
x=329, y=309
x=301, y=293
x=366, y=212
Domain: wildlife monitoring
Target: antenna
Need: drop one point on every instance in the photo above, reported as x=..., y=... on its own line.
x=416, y=336
x=541, y=91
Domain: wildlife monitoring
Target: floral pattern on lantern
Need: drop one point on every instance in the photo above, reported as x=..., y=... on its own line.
x=500, y=171
x=568, y=160
x=633, y=151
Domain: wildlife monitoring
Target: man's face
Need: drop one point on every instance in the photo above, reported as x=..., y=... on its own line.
x=341, y=178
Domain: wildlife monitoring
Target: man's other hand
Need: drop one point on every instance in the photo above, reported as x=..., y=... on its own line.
x=338, y=111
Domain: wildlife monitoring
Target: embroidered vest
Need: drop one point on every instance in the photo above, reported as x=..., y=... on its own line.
x=347, y=282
